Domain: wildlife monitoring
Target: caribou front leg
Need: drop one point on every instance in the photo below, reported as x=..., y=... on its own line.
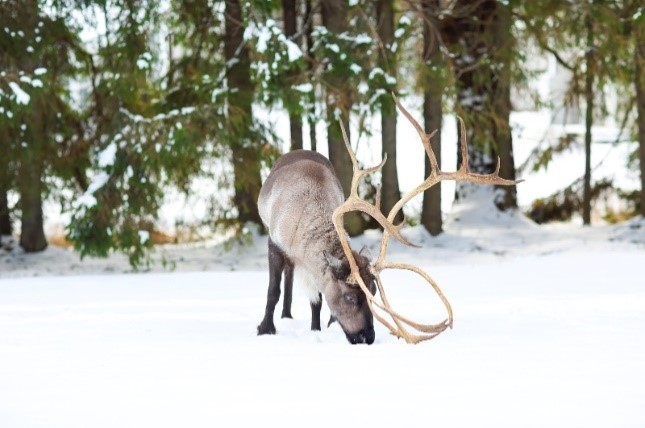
x=315, y=313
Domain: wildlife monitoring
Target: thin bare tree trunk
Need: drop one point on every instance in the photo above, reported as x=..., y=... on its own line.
x=502, y=106
x=432, y=112
x=589, y=78
x=246, y=156
x=5, y=220
x=32, y=233
x=640, y=103
x=390, y=192
x=289, y=8
x=309, y=14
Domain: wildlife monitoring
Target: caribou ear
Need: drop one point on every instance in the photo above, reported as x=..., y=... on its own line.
x=339, y=269
x=365, y=252
x=333, y=262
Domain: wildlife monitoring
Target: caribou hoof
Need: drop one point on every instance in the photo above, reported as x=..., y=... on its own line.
x=266, y=328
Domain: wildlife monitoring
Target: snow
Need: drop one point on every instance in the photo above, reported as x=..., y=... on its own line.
x=304, y=88
x=265, y=32
x=87, y=199
x=142, y=64
x=548, y=332
x=144, y=236
x=293, y=50
x=21, y=96
x=333, y=47
x=107, y=156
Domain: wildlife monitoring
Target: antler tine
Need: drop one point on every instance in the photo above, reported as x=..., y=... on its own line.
x=425, y=138
x=463, y=173
x=358, y=172
x=348, y=146
x=377, y=197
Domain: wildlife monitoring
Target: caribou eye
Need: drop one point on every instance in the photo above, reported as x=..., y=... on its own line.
x=351, y=298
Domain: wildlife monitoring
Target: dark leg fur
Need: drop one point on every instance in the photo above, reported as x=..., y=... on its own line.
x=276, y=265
x=288, y=289
x=315, y=313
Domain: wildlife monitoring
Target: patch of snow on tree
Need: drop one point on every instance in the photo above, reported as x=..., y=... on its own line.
x=21, y=96
x=107, y=156
x=304, y=88
x=293, y=51
x=144, y=236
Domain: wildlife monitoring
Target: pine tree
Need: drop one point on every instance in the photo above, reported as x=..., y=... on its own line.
x=479, y=38
x=245, y=150
x=589, y=73
x=339, y=99
x=36, y=122
x=434, y=80
x=290, y=14
x=139, y=142
x=639, y=83
x=602, y=28
x=388, y=62
x=503, y=54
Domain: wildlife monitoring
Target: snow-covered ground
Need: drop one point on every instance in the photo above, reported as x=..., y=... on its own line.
x=549, y=331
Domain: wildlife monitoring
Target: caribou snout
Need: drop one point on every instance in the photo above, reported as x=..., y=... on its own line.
x=364, y=336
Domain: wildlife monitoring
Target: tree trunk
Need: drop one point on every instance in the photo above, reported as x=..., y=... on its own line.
x=290, y=29
x=432, y=112
x=502, y=104
x=246, y=154
x=390, y=193
x=639, y=81
x=5, y=219
x=309, y=13
x=471, y=36
x=339, y=103
x=32, y=234
x=589, y=78
x=295, y=130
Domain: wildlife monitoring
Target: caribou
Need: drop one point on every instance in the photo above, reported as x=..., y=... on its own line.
x=296, y=204
x=302, y=205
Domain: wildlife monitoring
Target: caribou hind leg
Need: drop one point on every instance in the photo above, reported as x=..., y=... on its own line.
x=277, y=260
x=288, y=289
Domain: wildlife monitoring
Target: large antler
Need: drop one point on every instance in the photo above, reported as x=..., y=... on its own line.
x=421, y=331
